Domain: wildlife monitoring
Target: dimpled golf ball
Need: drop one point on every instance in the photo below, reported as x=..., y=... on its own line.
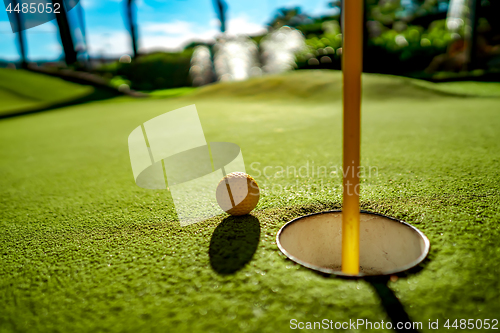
x=237, y=193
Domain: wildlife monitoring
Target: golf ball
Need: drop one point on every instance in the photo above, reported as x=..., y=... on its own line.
x=237, y=193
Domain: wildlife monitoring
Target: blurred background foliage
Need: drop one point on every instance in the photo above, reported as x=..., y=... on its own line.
x=412, y=38
x=411, y=48
x=152, y=71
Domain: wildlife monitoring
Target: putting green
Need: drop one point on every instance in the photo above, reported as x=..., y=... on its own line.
x=82, y=248
x=22, y=91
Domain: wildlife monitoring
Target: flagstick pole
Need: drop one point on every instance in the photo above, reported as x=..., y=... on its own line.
x=352, y=57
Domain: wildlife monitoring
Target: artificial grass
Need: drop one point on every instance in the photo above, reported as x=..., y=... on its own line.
x=21, y=90
x=464, y=88
x=82, y=248
x=172, y=92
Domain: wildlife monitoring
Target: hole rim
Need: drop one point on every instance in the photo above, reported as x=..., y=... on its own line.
x=324, y=270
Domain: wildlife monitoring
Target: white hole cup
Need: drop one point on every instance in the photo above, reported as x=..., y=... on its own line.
x=387, y=245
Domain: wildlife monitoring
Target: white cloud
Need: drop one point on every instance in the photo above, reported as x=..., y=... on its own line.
x=175, y=35
x=172, y=36
x=174, y=28
x=214, y=23
x=241, y=26
x=109, y=44
x=166, y=36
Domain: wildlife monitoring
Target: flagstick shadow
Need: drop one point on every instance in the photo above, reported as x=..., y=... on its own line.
x=391, y=304
x=234, y=243
x=393, y=307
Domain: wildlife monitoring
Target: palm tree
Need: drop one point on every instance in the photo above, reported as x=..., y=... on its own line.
x=220, y=9
x=20, y=36
x=475, y=8
x=65, y=33
x=81, y=21
x=132, y=27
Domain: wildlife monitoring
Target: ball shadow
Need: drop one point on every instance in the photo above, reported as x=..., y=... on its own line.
x=234, y=243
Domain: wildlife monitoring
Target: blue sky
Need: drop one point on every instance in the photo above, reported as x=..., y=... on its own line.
x=163, y=25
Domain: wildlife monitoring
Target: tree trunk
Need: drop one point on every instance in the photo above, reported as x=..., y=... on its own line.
x=20, y=37
x=475, y=7
x=132, y=27
x=65, y=33
x=220, y=7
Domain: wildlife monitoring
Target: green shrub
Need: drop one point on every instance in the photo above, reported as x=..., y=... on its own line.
x=152, y=71
x=391, y=52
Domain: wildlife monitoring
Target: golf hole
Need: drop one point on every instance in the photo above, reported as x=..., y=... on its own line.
x=387, y=245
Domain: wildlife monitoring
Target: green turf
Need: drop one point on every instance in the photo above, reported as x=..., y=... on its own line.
x=464, y=88
x=21, y=90
x=82, y=248
x=172, y=92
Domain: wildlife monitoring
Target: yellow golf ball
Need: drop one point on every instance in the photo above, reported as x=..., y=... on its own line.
x=237, y=193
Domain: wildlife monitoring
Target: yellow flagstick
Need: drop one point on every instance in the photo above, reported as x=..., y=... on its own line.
x=352, y=57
